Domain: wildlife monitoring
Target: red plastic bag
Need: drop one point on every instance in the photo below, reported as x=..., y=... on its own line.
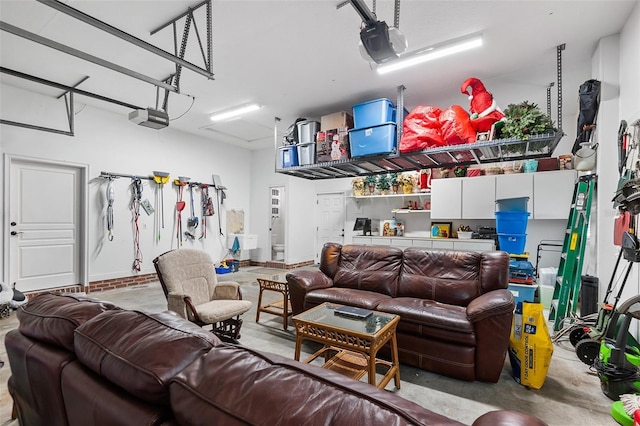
x=421, y=129
x=456, y=126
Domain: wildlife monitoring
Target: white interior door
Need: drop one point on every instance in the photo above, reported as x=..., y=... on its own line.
x=331, y=220
x=47, y=210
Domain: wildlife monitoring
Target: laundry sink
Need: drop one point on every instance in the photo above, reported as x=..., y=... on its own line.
x=247, y=241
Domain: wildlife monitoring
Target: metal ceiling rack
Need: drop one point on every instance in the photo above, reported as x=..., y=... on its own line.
x=537, y=146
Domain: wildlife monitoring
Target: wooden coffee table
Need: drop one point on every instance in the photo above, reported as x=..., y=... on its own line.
x=350, y=345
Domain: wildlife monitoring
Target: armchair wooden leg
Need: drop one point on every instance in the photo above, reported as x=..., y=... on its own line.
x=228, y=330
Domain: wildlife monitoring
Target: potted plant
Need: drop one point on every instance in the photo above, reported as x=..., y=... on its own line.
x=395, y=183
x=524, y=120
x=371, y=181
x=383, y=183
x=358, y=186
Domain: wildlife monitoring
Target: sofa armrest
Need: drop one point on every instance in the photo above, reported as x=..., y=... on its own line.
x=227, y=290
x=496, y=302
x=507, y=418
x=302, y=282
x=491, y=315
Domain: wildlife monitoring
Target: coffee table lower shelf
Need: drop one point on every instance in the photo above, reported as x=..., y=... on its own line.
x=352, y=364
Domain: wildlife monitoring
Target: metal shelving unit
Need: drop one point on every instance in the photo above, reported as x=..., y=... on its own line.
x=537, y=146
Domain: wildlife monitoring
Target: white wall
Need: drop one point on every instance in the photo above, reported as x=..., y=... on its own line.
x=616, y=63
x=107, y=141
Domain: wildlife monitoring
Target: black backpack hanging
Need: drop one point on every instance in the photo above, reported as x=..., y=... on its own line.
x=589, y=98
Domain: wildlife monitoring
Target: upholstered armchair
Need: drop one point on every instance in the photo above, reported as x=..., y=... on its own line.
x=189, y=282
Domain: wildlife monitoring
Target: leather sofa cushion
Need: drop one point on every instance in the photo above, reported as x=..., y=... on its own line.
x=141, y=352
x=431, y=319
x=446, y=276
x=53, y=317
x=369, y=268
x=232, y=385
x=344, y=296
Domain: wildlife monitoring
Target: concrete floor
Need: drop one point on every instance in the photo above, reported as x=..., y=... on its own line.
x=571, y=394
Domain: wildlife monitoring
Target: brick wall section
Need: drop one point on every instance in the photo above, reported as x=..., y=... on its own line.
x=102, y=285
x=112, y=284
x=281, y=265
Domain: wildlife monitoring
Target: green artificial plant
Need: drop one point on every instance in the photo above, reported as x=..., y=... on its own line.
x=525, y=119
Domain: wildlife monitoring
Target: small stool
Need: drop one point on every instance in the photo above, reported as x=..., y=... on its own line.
x=281, y=308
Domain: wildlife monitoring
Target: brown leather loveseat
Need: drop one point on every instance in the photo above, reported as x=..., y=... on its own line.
x=78, y=361
x=454, y=306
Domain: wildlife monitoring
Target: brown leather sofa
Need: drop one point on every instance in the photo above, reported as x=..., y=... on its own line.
x=454, y=306
x=78, y=361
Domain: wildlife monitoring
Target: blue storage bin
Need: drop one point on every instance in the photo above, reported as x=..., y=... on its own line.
x=373, y=113
x=512, y=222
x=518, y=204
x=523, y=292
x=520, y=268
x=512, y=243
x=288, y=156
x=373, y=140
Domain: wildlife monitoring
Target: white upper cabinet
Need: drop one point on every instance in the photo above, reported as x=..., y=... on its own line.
x=479, y=197
x=516, y=186
x=553, y=194
x=446, y=198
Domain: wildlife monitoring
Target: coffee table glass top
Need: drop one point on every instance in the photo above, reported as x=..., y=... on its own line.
x=325, y=315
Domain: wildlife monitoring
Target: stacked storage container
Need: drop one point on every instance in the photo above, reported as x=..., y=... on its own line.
x=511, y=225
x=375, y=128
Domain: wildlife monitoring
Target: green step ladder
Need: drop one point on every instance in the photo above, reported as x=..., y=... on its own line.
x=567, y=286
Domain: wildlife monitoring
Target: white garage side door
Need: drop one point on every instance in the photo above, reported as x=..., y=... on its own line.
x=46, y=224
x=331, y=219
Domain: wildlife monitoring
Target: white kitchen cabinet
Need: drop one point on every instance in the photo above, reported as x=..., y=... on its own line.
x=361, y=240
x=442, y=244
x=423, y=243
x=401, y=242
x=381, y=241
x=478, y=197
x=479, y=245
x=515, y=186
x=446, y=199
x=553, y=194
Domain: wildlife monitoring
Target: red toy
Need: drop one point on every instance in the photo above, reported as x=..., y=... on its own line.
x=483, y=108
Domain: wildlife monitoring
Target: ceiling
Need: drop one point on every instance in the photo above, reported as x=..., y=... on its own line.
x=297, y=58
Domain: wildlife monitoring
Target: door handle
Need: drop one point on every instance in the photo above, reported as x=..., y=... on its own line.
x=16, y=232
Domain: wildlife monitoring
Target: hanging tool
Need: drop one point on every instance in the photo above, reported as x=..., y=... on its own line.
x=220, y=195
x=207, y=208
x=181, y=182
x=160, y=178
x=622, y=146
x=136, y=200
x=111, y=196
x=192, y=221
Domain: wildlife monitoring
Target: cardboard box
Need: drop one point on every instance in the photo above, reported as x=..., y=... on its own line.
x=336, y=120
x=332, y=145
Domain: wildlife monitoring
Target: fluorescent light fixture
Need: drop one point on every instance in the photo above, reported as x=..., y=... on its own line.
x=234, y=112
x=431, y=53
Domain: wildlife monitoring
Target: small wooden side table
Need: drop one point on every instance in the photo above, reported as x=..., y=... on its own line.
x=281, y=308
